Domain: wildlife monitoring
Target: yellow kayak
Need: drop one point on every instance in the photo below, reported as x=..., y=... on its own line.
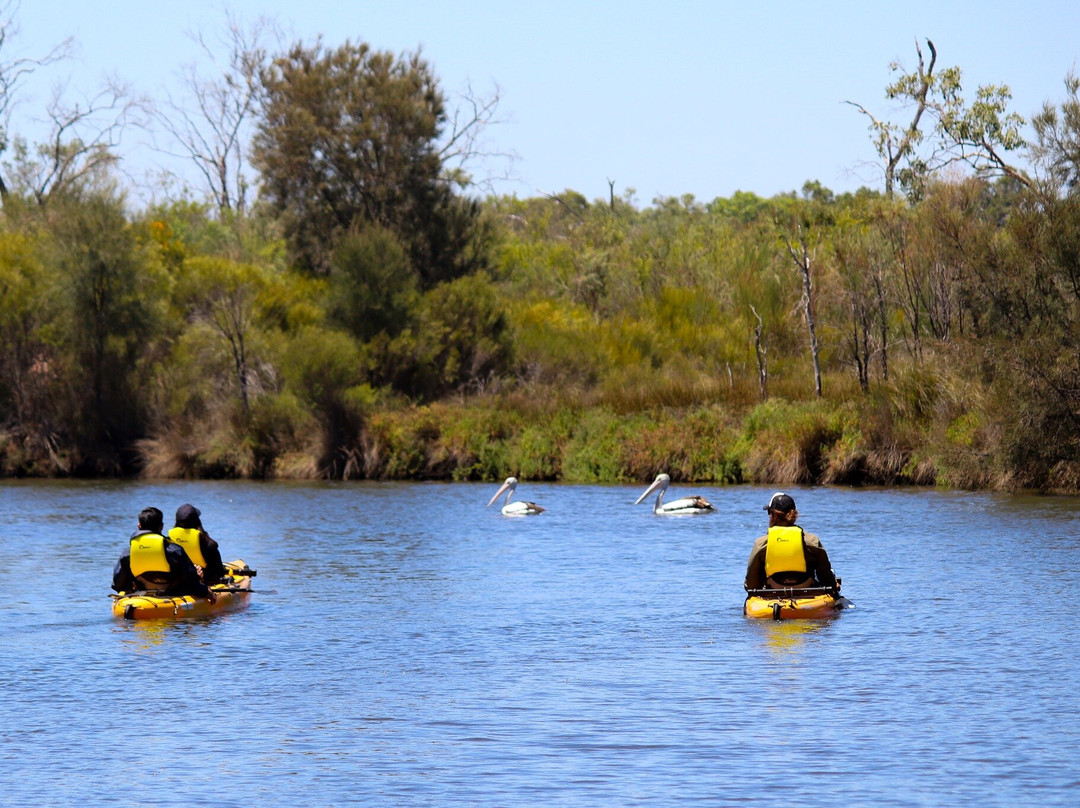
x=233, y=594
x=793, y=604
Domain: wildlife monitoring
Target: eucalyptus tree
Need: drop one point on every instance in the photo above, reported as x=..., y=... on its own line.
x=944, y=128
x=862, y=263
x=803, y=252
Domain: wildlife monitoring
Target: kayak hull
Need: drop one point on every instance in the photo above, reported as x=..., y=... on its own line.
x=792, y=604
x=233, y=594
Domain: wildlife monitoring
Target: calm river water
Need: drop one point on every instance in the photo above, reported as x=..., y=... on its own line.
x=411, y=647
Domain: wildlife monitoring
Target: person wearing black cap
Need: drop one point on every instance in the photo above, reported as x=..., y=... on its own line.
x=787, y=556
x=200, y=548
x=155, y=564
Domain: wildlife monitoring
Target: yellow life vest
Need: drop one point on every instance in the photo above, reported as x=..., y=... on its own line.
x=148, y=554
x=784, y=551
x=188, y=538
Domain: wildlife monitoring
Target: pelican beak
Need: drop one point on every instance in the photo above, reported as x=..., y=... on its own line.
x=649, y=490
x=498, y=493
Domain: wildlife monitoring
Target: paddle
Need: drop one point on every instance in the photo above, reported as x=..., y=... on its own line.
x=240, y=572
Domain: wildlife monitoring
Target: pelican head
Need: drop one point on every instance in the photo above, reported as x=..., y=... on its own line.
x=661, y=482
x=508, y=486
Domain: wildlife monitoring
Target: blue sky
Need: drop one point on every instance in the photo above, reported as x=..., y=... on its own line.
x=668, y=98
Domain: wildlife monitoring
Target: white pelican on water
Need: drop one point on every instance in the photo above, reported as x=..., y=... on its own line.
x=514, y=508
x=695, y=504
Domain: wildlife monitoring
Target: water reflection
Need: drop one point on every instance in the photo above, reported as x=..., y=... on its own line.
x=786, y=640
x=160, y=635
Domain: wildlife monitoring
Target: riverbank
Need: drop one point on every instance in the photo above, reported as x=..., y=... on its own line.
x=868, y=441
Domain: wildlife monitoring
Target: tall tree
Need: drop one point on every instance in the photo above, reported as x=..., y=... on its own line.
x=351, y=136
x=113, y=296
x=80, y=148
x=979, y=134
x=27, y=350
x=371, y=289
x=897, y=145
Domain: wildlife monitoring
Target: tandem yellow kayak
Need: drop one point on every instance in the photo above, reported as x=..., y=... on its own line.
x=812, y=603
x=233, y=594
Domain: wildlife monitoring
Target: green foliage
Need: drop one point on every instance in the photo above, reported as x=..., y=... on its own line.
x=371, y=289
x=798, y=443
x=592, y=451
x=112, y=293
x=363, y=321
x=1057, y=139
x=459, y=342
x=349, y=137
x=321, y=366
x=323, y=369
x=27, y=334
x=225, y=296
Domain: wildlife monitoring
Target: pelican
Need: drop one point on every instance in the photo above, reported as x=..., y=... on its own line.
x=676, y=507
x=514, y=508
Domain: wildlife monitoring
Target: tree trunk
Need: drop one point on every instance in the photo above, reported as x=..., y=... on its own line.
x=763, y=372
x=883, y=324
x=802, y=261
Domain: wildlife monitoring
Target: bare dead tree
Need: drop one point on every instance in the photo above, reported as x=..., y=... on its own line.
x=878, y=279
x=802, y=262
x=82, y=140
x=13, y=71
x=463, y=143
x=211, y=127
x=760, y=350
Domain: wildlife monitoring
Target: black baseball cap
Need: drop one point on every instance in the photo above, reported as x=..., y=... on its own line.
x=187, y=515
x=780, y=502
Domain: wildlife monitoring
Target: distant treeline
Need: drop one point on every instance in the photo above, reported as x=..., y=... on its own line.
x=366, y=317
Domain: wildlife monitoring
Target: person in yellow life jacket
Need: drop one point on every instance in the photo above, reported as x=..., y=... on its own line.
x=787, y=556
x=200, y=548
x=155, y=564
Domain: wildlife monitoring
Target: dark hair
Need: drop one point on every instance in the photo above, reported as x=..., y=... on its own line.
x=151, y=519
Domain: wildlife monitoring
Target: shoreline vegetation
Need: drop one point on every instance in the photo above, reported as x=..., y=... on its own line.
x=366, y=314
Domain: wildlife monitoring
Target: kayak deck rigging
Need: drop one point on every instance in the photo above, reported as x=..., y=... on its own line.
x=810, y=603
